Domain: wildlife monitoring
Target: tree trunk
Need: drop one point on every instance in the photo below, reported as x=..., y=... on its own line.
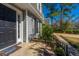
x=61, y=17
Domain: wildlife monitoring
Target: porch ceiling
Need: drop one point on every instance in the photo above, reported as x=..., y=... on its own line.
x=24, y=6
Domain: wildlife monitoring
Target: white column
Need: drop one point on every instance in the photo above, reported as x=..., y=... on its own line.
x=16, y=29
x=27, y=39
x=38, y=6
x=21, y=28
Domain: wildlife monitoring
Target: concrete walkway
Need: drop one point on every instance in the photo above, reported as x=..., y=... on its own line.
x=30, y=49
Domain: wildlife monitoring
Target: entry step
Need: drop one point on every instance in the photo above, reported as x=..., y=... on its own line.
x=7, y=51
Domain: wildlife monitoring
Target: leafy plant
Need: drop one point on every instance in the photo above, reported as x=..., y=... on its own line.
x=47, y=33
x=59, y=51
x=46, y=36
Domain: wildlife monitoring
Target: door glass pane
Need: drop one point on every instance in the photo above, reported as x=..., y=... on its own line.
x=18, y=26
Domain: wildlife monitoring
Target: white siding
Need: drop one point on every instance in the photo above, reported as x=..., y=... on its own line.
x=30, y=27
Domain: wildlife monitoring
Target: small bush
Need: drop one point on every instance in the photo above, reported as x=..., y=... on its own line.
x=72, y=31
x=59, y=51
x=57, y=30
x=47, y=31
x=76, y=31
x=69, y=31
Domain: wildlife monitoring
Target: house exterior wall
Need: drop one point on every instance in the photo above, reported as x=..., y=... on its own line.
x=29, y=26
x=18, y=12
x=33, y=26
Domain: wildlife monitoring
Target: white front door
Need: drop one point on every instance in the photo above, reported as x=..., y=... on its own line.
x=19, y=27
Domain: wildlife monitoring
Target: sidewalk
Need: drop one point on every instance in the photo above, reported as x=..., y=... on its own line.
x=30, y=49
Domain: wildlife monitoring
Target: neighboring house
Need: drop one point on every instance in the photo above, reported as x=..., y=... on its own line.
x=19, y=22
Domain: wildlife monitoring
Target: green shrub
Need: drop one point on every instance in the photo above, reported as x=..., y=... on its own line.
x=69, y=31
x=47, y=31
x=76, y=31
x=72, y=31
x=59, y=51
x=58, y=30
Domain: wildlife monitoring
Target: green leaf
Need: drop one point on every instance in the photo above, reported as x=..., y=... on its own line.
x=55, y=14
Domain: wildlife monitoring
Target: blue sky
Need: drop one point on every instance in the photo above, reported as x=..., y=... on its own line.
x=45, y=11
x=74, y=12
